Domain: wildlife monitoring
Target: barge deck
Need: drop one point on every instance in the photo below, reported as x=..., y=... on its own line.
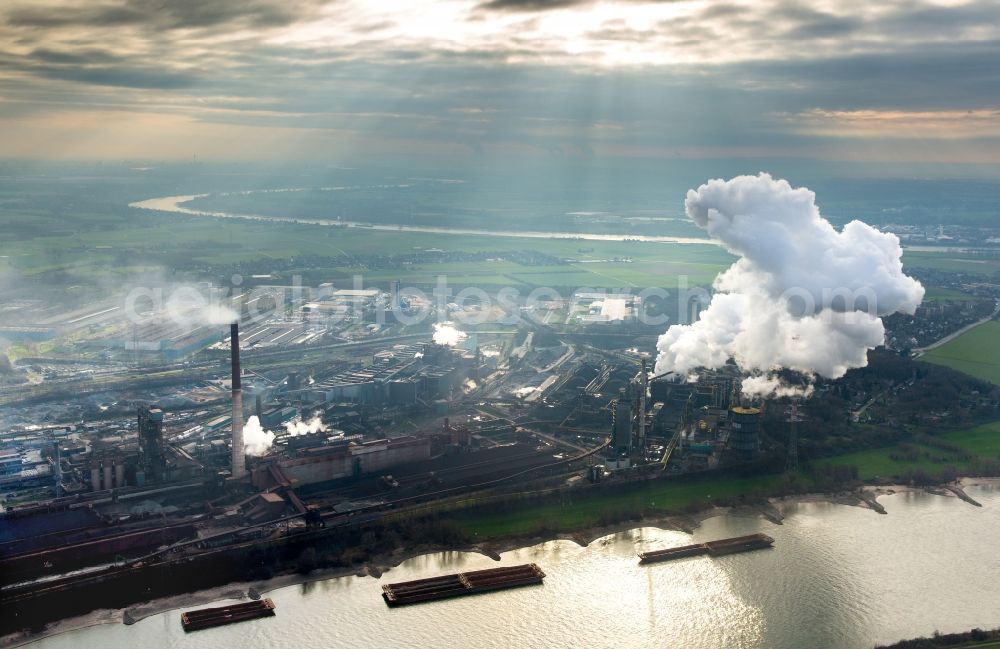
x=713, y=548
x=463, y=583
x=207, y=618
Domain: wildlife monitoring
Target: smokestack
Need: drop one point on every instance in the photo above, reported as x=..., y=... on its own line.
x=57, y=470
x=239, y=455
x=642, y=407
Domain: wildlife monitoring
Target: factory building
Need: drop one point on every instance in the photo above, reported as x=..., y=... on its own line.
x=605, y=309
x=341, y=303
x=171, y=340
x=341, y=460
x=400, y=376
x=276, y=416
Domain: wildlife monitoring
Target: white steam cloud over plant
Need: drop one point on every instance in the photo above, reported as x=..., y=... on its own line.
x=256, y=440
x=314, y=425
x=446, y=334
x=802, y=296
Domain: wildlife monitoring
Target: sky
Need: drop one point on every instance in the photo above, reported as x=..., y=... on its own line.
x=896, y=81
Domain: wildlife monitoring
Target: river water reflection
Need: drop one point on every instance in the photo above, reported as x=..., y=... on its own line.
x=838, y=577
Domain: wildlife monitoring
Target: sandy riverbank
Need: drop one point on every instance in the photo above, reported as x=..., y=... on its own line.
x=774, y=510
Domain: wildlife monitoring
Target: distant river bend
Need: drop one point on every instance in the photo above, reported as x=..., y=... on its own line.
x=176, y=204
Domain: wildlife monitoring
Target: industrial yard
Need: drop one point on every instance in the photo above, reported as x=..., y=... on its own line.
x=165, y=460
x=256, y=426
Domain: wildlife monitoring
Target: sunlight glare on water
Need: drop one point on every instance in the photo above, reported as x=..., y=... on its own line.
x=838, y=577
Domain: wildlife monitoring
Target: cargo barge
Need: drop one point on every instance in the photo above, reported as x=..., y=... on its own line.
x=713, y=548
x=463, y=583
x=206, y=618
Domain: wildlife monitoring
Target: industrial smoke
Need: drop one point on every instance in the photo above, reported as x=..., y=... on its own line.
x=186, y=305
x=802, y=296
x=314, y=425
x=215, y=314
x=256, y=440
x=446, y=334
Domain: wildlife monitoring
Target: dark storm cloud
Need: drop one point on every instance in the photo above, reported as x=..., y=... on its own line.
x=825, y=26
x=530, y=5
x=161, y=14
x=932, y=19
x=543, y=5
x=943, y=75
x=512, y=88
x=120, y=76
x=79, y=57
x=99, y=68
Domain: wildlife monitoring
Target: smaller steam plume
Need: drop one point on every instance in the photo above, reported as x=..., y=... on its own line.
x=446, y=334
x=256, y=440
x=186, y=305
x=314, y=425
x=216, y=314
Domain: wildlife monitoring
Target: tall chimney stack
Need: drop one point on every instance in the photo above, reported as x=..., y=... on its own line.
x=643, y=387
x=57, y=470
x=239, y=456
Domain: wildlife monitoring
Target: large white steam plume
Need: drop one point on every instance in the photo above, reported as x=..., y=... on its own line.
x=256, y=440
x=802, y=295
x=446, y=334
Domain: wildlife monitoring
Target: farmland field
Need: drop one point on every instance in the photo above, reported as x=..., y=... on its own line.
x=981, y=443
x=976, y=352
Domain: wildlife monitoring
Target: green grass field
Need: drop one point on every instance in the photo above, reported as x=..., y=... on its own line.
x=93, y=244
x=90, y=246
x=591, y=509
x=952, y=261
x=940, y=293
x=981, y=442
x=976, y=352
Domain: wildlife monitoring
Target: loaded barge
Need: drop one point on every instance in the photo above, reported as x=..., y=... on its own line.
x=463, y=583
x=713, y=548
x=206, y=618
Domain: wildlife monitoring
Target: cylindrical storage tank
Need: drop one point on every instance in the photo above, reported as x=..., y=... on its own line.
x=95, y=478
x=745, y=424
x=108, y=476
x=140, y=478
x=120, y=475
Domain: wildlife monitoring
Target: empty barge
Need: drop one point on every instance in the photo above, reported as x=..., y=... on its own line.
x=463, y=583
x=206, y=618
x=713, y=548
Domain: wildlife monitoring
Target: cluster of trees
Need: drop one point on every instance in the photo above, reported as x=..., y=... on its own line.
x=345, y=548
x=939, y=641
x=828, y=430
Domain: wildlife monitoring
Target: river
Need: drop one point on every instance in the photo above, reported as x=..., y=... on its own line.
x=176, y=204
x=837, y=577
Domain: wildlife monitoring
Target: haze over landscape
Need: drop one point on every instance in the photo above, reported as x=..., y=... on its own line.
x=347, y=305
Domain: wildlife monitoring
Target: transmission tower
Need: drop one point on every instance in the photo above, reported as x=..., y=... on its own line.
x=792, y=462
